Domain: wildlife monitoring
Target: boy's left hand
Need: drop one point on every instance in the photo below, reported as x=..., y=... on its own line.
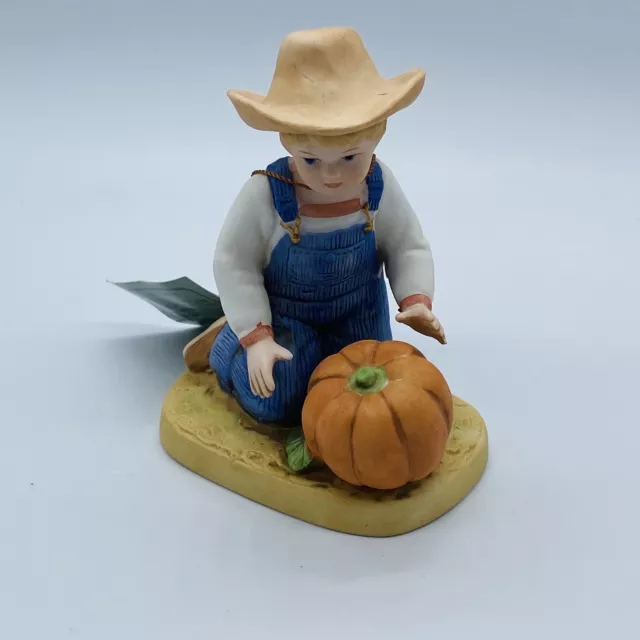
x=421, y=319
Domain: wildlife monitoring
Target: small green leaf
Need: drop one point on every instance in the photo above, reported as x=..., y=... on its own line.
x=298, y=456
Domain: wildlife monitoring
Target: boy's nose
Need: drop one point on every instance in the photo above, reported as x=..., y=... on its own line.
x=331, y=171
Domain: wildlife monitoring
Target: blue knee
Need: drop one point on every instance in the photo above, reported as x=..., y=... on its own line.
x=285, y=403
x=228, y=359
x=225, y=349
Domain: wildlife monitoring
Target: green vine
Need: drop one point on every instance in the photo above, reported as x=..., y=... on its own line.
x=297, y=452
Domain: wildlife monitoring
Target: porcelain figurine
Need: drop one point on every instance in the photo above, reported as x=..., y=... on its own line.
x=300, y=266
x=301, y=258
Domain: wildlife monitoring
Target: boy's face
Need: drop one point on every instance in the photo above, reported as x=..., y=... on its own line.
x=333, y=170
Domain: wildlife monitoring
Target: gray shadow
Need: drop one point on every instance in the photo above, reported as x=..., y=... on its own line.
x=138, y=370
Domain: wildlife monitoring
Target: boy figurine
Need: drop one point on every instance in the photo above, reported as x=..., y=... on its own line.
x=299, y=261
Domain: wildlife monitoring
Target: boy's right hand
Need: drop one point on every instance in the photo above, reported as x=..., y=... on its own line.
x=261, y=356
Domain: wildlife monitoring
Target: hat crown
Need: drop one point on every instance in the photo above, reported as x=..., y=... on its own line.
x=326, y=83
x=331, y=57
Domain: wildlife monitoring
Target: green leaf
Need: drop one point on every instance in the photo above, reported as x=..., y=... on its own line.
x=298, y=456
x=182, y=300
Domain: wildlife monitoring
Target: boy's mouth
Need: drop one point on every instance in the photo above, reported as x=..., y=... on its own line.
x=333, y=185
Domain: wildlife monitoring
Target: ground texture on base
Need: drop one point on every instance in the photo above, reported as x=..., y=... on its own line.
x=205, y=430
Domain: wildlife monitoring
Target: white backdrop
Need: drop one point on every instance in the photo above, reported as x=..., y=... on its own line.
x=119, y=156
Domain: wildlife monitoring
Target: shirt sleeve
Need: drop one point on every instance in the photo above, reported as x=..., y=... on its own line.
x=239, y=258
x=406, y=253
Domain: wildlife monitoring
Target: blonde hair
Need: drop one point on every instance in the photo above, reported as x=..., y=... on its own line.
x=375, y=132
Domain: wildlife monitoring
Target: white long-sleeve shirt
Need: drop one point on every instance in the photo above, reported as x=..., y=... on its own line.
x=252, y=229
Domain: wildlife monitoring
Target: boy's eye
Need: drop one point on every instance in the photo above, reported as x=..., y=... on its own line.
x=310, y=160
x=349, y=158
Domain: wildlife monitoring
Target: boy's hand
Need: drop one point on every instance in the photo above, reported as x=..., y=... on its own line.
x=421, y=319
x=261, y=357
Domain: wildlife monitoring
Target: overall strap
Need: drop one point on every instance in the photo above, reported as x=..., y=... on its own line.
x=282, y=189
x=283, y=192
x=375, y=185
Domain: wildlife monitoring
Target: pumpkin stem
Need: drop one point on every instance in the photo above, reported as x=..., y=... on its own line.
x=368, y=380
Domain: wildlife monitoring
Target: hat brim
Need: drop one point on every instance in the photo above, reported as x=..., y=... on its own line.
x=373, y=105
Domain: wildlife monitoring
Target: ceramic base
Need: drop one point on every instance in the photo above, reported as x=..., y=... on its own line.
x=206, y=431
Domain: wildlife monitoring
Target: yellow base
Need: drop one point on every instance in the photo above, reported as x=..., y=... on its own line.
x=205, y=430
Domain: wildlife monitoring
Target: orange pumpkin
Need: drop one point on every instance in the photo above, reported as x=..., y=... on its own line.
x=378, y=414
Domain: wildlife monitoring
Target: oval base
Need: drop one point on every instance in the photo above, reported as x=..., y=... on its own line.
x=206, y=431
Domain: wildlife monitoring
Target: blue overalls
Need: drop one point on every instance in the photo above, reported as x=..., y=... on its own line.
x=326, y=291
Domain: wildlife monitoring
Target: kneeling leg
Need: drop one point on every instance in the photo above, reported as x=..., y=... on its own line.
x=229, y=361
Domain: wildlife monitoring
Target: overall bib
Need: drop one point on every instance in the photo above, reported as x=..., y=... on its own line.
x=326, y=291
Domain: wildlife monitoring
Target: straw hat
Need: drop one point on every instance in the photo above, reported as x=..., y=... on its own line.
x=325, y=83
